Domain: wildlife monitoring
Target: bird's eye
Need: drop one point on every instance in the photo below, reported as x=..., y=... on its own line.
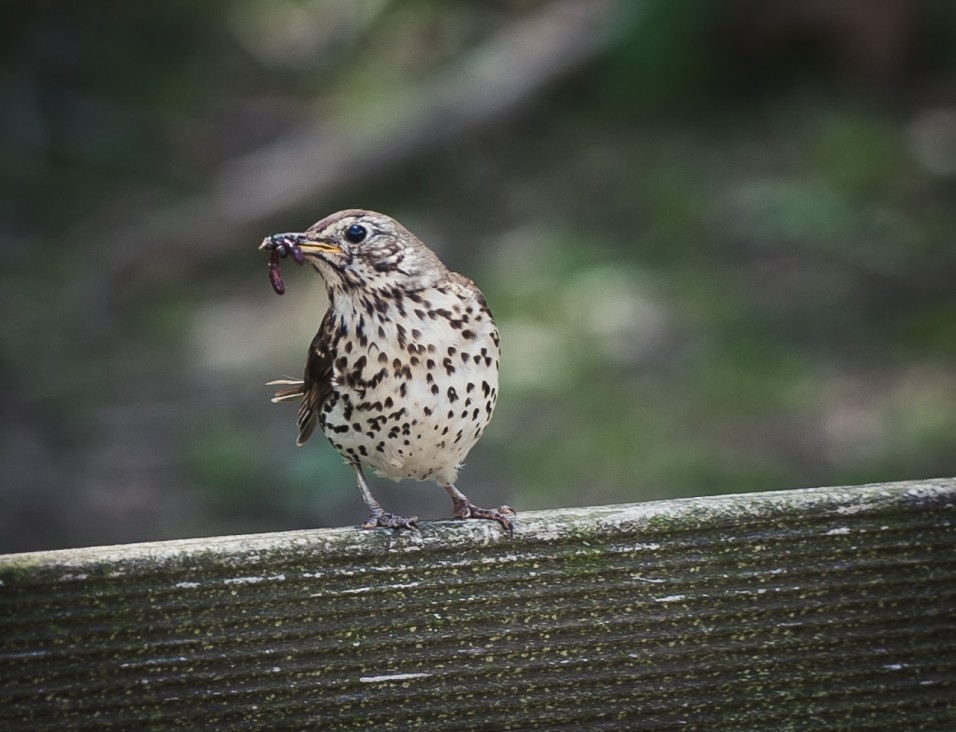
x=356, y=233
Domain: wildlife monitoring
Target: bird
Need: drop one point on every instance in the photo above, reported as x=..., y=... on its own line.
x=402, y=375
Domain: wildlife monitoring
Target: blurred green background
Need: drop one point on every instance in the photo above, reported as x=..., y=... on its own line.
x=719, y=240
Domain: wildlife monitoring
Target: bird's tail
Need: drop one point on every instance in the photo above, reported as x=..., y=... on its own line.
x=295, y=389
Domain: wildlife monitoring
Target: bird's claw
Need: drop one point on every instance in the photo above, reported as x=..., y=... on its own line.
x=466, y=509
x=385, y=520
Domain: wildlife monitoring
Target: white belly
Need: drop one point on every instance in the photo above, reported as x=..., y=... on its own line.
x=414, y=407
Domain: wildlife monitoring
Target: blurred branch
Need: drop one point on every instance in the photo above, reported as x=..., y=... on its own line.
x=306, y=164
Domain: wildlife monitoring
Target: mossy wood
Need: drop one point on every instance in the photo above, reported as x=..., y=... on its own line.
x=816, y=609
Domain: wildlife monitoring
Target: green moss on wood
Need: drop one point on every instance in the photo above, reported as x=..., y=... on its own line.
x=829, y=607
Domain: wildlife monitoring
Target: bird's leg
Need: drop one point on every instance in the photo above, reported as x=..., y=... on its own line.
x=466, y=509
x=377, y=515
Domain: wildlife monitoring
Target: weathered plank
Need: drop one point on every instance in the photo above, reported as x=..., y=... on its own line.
x=815, y=609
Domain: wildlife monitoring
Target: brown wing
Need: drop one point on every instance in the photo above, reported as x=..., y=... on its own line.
x=316, y=384
x=317, y=377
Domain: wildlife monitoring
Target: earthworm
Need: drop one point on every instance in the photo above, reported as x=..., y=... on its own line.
x=275, y=276
x=281, y=246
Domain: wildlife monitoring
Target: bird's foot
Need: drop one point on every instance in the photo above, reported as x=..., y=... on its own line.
x=379, y=518
x=466, y=509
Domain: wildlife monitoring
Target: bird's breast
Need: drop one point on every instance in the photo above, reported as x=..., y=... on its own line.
x=415, y=381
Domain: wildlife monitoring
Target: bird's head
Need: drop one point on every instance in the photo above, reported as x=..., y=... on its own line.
x=360, y=250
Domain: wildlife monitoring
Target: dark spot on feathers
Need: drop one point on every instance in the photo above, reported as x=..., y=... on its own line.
x=377, y=379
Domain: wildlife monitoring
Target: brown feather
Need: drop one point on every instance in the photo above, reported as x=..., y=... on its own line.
x=284, y=395
x=317, y=380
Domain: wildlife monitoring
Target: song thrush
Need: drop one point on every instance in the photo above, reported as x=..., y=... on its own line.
x=402, y=375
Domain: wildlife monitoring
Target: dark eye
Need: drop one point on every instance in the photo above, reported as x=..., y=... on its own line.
x=356, y=233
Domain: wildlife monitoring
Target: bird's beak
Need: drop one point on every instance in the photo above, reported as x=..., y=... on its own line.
x=318, y=247
x=300, y=241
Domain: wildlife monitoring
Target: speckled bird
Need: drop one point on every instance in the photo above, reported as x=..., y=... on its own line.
x=402, y=375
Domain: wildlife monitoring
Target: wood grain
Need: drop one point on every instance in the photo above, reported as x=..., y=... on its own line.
x=830, y=608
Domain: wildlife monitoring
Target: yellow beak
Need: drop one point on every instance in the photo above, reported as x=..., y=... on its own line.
x=318, y=247
x=286, y=243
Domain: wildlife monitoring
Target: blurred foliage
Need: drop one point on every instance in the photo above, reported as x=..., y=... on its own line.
x=721, y=253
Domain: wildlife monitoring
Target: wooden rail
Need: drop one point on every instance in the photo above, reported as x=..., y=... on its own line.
x=830, y=608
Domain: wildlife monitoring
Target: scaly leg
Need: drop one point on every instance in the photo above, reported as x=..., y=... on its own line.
x=377, y=515
x=466, y=509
